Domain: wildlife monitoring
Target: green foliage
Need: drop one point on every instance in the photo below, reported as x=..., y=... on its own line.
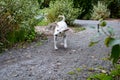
x=100, y=76
x=86, y=5
x=112, y=75
x=114, y=6
x=115, y=53
x=93, y=43
x=78, y=28
x=71, y=73
x=103, y=23
x=100, y=11
x=44, y=3
x=63, y=7
x=17, y=21
x=78, y=69
x=110, y=41
x=75, y=73
x=43, y=23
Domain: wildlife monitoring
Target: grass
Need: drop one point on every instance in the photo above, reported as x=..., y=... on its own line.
x=43, y=23
x=78, y=29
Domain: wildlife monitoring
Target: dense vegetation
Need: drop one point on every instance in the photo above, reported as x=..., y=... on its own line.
x=18, y=18
x=17, y=21
x=63, y=7
x=87, y=6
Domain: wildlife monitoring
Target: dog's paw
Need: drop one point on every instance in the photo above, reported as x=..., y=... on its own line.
x=56, y=48
x=65, y=46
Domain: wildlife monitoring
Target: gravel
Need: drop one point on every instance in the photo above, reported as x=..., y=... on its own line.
x=42, y=62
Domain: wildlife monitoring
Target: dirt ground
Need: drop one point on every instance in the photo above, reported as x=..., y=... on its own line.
x=39, y=61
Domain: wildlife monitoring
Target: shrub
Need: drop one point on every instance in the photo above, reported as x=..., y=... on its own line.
x=17, y=21
x=64, y=7
x=111, y=75
x=114, y=6
x=86, y=5
x=100, y=11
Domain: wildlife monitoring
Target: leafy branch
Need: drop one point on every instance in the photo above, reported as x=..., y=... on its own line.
x=110, y=41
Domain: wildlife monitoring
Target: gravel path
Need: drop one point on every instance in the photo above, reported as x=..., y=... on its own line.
x=44, y=63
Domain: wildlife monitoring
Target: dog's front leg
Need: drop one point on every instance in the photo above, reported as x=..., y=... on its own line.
x=65, y=41
x=55, y=42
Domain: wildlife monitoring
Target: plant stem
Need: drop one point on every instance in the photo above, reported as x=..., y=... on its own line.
x=105, y=32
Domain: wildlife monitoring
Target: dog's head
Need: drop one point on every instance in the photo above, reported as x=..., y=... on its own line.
x=60, y=30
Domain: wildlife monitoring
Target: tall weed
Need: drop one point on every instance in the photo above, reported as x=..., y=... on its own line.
x=100, y=11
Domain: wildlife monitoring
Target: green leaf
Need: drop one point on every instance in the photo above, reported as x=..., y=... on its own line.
x=103, y=23
x=115, y=53
x=107, y=78
x=114, y=42
x=99, y=76
x=78, y=69
x=114, y=72
x=71, y=73
x=109, y=42
x=93, y=43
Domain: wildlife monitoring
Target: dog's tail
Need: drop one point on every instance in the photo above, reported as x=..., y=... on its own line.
x=63, y=17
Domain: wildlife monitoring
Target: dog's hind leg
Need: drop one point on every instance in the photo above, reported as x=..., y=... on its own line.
x=55, y=42
x=65, y=41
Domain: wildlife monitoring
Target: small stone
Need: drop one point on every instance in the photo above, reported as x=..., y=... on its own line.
x=28, y=56
x=11, y=60
x=58, y=64
x=92, y=56
x=14, y=74
x=103, y=71
x=74, y=50
x=49, y=72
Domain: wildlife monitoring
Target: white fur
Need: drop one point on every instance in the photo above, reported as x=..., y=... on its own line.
x=60, y=29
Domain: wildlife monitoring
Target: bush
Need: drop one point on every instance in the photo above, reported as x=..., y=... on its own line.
x=100, y=11
x=64, y=7
x=113, y=74
x=114, y=6
x=86, y=5
x=17, y=21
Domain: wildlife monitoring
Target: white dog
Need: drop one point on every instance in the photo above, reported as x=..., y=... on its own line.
x=60, y=30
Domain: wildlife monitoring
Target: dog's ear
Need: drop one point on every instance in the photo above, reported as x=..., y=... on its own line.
x=66, y=29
